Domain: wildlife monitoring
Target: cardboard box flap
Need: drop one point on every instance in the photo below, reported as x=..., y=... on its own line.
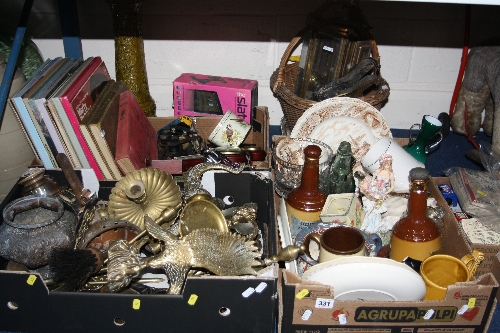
x=305, y=289
x=463, y=303
x=481, y=286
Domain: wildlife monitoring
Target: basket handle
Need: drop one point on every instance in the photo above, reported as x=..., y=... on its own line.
x=286, y=55
x=374, y=47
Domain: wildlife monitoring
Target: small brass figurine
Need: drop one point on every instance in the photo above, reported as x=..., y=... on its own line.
x=222, y=253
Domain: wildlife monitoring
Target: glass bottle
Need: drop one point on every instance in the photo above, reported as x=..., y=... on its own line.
x=415, y=235
x=304, y=203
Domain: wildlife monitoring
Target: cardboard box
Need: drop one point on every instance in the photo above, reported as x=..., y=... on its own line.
x=369, y=316
x=29, y=306
x=211, y=96
x=258, y=136
x=495, y=269
x=491, y=262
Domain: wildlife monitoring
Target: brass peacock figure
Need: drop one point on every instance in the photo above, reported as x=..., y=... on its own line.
x=222, y=253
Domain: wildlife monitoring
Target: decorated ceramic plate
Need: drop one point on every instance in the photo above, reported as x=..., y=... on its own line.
x=373, y=244
x=369, y=279
x=334, y=130
x=341, y=106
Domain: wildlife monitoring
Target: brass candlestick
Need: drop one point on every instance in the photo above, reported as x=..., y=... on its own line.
x=130, y=61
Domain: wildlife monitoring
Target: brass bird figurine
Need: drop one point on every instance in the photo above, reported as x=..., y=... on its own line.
x=222, y=253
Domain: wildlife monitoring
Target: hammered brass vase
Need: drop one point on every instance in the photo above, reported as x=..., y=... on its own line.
x=130, y=61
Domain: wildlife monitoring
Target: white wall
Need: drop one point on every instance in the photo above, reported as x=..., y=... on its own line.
x=420, y=44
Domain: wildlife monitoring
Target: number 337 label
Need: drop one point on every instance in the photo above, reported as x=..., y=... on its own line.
x=324, y=303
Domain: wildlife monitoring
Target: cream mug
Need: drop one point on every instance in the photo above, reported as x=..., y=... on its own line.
x=337, y=242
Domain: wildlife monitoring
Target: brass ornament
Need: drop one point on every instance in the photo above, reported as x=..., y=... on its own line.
x=37, y=183
x=222, y=253
x=201, y=213
x=291, y=252
x=472, y=261
x=147, y=191
x=242, y=216
x=193, y=186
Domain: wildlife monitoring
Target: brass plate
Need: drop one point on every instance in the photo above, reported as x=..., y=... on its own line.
x=198, y=214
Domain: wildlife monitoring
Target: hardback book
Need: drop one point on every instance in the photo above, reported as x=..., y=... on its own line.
x=35, y=76
x=73, y=103
x=136, y=140
x=39, y=144
x=100, y=124
x=74, y=153
x=35, y=103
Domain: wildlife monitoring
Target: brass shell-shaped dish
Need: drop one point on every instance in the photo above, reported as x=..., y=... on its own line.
x=199, y=214
x=161, y=191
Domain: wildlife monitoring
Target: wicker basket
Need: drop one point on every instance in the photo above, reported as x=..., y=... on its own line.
x=283, y=84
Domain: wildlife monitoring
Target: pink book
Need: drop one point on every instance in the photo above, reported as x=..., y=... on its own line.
x=79, y=97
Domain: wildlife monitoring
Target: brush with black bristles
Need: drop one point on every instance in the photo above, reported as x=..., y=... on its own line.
x=71, y=268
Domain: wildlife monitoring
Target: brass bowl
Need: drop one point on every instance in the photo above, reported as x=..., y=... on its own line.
x=200, y=213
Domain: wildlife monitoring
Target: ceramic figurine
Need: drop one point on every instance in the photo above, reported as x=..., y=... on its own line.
x=375, y=189
x=341, y=179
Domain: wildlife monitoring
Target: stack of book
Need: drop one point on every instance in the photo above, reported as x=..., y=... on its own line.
x=74, y=107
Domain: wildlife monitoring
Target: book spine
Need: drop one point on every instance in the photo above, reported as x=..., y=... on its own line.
x=43, y=150
x=125, y=165
x=43, y=124
x=73, y=140
x=121, y=153
x=89, y=140
x=40, y=106
x=61, y=131
x=75, y=124
x=76, y=86
x=104, y=151
x=21, y=124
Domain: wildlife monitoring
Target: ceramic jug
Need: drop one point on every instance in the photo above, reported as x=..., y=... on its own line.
x=305, y=203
